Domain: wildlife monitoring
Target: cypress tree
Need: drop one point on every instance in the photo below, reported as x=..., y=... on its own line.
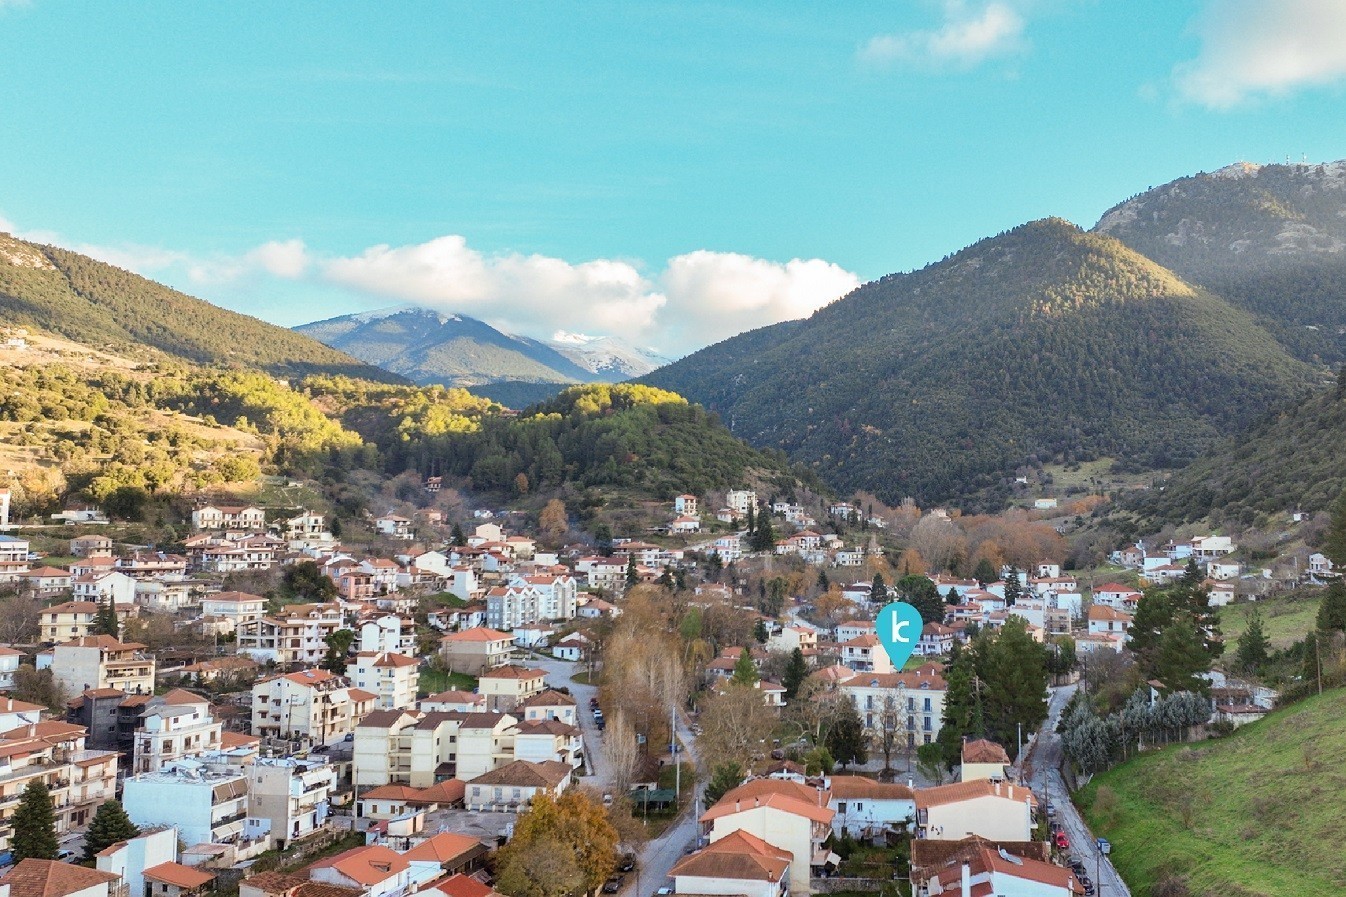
x=34, y=825
x=878, y=592
x=110, y=825
x=796, y=671
x=632, y=575
x=745, y=671
x=1334, y=544
x=1332, y=612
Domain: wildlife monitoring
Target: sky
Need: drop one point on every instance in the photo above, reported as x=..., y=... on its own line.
x=669, y=172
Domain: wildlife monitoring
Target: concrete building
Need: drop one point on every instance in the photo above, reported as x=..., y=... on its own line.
x=505, y=687
x=791, y=817
x=100, y=661
x=389, y=633
x=54, y=753
x=182, y=726
x=512, y=787
x=738, y=864
x=477, y=649
x=294, y=637
x=248, y=518
x=314, y=706
x=392, y=678
x=290, y=796
x=206, y=807
x=917, y=696
x=997, y=811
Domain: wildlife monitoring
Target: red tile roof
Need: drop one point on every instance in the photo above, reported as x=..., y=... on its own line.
x=48, y=878
x=179, y=875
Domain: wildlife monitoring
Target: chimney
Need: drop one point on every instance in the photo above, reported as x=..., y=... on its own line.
x=910, y=783
x=967, y=880
x=1011, y=791
x=997, y=788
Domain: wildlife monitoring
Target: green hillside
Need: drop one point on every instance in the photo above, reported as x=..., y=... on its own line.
x=643, y=441
x=1040, y=345
x=1269, y=238
x=1257, y=813
x=1291, y=460
x=73, y=296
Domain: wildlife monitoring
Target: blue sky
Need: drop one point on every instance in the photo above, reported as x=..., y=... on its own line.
x=670, y=172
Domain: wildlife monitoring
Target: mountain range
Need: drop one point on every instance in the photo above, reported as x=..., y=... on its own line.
x=429, y=347
x=1045, y=343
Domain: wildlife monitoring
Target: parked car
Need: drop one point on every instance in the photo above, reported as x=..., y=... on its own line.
x=628, y=863
x=1062, y=842
x=612, y=885
x=1051, y=808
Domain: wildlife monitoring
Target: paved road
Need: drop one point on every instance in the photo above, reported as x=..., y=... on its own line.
x=658, y=855
x=1047, y=779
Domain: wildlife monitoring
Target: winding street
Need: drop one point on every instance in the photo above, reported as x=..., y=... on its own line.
x=1047, y=780
x=658, y=855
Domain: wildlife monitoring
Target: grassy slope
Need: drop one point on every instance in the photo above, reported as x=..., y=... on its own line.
x=1284, y=620
x=1258, y=813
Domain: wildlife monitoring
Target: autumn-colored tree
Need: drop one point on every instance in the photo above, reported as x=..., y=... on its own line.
x=562, y=847
x=832, y=606
x=521, y=484
x=553, y=521
x=911, y=562
x=734, y=725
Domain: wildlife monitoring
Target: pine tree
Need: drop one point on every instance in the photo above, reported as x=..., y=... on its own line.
x=823, y=582
x=878, y=591
x=1253, y=648
x=922, y=594
x=1332, y=612
x=985, y=572
x=1013, y=670
x=759, y=632
x=763, y=538
x=632, y=575
x=34, y=825
x=1182, y=657
x=110, y=825
x=458, y=537
x=752, y=518
x=1153, y=615
x=745, y=671
x=1013, y=588
x=723, y=779
x=796, y=671
x=846, y=739
x=1334, y=543
x=105, y=621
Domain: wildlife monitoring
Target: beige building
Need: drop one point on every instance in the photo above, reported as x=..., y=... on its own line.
x=100, y=661
x=996, y=811
x=79, y=780
x=475, y=650
x=738, y=864
x=62, y=622
x=294, y=637
x=291, y=794
x=312, y=705
x=391, y=677
x=918, y=697
x=510, y=788
x=249, y=518
x=395, y=747
x=236, y=607
x=983, y=759
x=505, y=687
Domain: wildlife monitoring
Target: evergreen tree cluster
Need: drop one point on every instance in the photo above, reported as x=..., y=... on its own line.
x=1175, y=634
x=1093, y=743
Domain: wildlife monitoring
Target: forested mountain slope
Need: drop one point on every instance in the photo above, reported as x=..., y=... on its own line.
x=1270, y=238
x=74, y=296
x=1043, y=343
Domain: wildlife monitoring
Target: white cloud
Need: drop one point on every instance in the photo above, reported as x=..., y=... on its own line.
x=1251, y=48
x=694, y=300
x=699, y=298
x=967, y=37
x=714, y=295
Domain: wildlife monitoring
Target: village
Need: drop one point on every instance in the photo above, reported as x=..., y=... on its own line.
x=409, y=703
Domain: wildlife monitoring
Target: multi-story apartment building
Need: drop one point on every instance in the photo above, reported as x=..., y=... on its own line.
x=62, y=622
x=509, y=607
x=294, y=637
x=103, y=585
x=100, y=661
x=291, y=795
x=206, y=806
x=182, y=726
x=91, y=547
x=152, y=565
x=45, y=582
x=505, y=687
x=54, y=753
x=408, y=747
x=312, y=705
x=557, y=595
x=392, y=678
x=389, y=633
x=474, y=650
x=236, y=607
x=917, y=707
x=248, y=518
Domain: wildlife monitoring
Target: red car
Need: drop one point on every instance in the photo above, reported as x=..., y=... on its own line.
x=1062, y=842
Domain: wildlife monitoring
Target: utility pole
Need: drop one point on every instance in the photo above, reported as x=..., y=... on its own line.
x=673, y=743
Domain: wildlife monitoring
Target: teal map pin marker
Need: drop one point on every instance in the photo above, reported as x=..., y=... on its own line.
x=899, y=629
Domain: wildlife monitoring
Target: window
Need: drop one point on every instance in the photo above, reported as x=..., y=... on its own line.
x=926, y=708
x=841, y=808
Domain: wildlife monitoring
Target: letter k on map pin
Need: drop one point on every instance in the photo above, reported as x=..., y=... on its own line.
x=899, y=629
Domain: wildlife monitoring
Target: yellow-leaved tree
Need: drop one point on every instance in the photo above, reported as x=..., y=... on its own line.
x=562, y=847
